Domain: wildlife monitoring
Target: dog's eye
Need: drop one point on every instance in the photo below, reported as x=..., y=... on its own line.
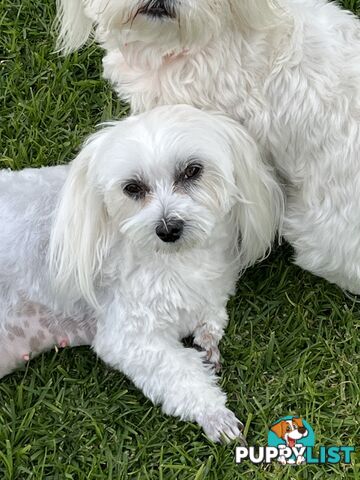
x=193, y=171
x=135, y=190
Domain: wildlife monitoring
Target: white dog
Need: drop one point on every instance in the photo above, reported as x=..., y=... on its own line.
x=289, y=70
x=142, y=249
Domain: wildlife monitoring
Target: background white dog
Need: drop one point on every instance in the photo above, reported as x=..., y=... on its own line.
x=143, y=250
x=288, y=69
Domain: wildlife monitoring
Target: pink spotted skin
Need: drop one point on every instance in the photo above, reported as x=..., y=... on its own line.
x=31, y=329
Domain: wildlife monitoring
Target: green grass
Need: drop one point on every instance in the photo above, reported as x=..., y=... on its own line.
x=292, y=345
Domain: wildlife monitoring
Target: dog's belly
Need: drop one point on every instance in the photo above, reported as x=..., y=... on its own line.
x=30, y=329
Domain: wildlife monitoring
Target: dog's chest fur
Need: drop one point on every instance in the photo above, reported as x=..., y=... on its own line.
x=200, y=80
x=173, y=290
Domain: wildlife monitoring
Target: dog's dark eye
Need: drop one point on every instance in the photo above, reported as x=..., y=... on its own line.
x=135, y=190
x=193, y=171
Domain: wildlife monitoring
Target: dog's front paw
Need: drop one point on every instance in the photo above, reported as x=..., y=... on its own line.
x=222, y=426
x=209, y=345
x=212, y=357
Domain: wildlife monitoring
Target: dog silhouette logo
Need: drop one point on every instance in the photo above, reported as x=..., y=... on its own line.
x=291, y=434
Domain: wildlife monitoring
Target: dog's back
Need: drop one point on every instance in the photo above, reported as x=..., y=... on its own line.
x=27, y=201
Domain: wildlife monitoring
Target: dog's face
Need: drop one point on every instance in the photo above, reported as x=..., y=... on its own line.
x=166, y=181
x=162, y=27
x=150, y=32
x=160, y=13
x=166, y=178
x=290, y=430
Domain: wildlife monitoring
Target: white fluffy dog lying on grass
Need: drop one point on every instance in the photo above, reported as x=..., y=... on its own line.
x=133, y=247
x=289, y=70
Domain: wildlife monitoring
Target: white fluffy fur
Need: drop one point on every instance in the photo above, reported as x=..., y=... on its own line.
x=127, y=293
x=288, y=70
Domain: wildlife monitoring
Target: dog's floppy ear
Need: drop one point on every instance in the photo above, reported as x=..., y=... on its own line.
x=73, y=25
x=79, y=236
x=279, y=429
x=259, y=205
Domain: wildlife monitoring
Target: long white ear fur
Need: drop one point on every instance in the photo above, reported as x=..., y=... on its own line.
x=258, y=212
x=79, y=237
x=74, y=27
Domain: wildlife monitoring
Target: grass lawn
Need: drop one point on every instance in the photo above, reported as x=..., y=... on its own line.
x=292, y=346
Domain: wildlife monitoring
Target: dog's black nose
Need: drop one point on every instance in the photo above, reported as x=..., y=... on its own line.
x=302, y=430
x=171, y=231
x=159, y=8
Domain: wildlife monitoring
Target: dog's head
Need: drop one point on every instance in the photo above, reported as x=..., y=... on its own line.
x=290, y=430
x=154, y=29
x=163, y=182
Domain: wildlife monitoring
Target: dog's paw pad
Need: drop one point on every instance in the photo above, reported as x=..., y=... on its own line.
x=222, y=426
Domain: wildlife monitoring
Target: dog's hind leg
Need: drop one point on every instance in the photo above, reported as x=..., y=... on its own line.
x=326, y=235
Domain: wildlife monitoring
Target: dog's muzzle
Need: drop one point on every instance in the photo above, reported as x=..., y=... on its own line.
x=159, y=9
x=170, y=231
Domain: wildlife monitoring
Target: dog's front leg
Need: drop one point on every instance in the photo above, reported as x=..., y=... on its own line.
x=169, y=374
x=209, y=332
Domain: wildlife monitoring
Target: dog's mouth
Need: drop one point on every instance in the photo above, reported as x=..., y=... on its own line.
x=158, y=9
x=291, y=442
